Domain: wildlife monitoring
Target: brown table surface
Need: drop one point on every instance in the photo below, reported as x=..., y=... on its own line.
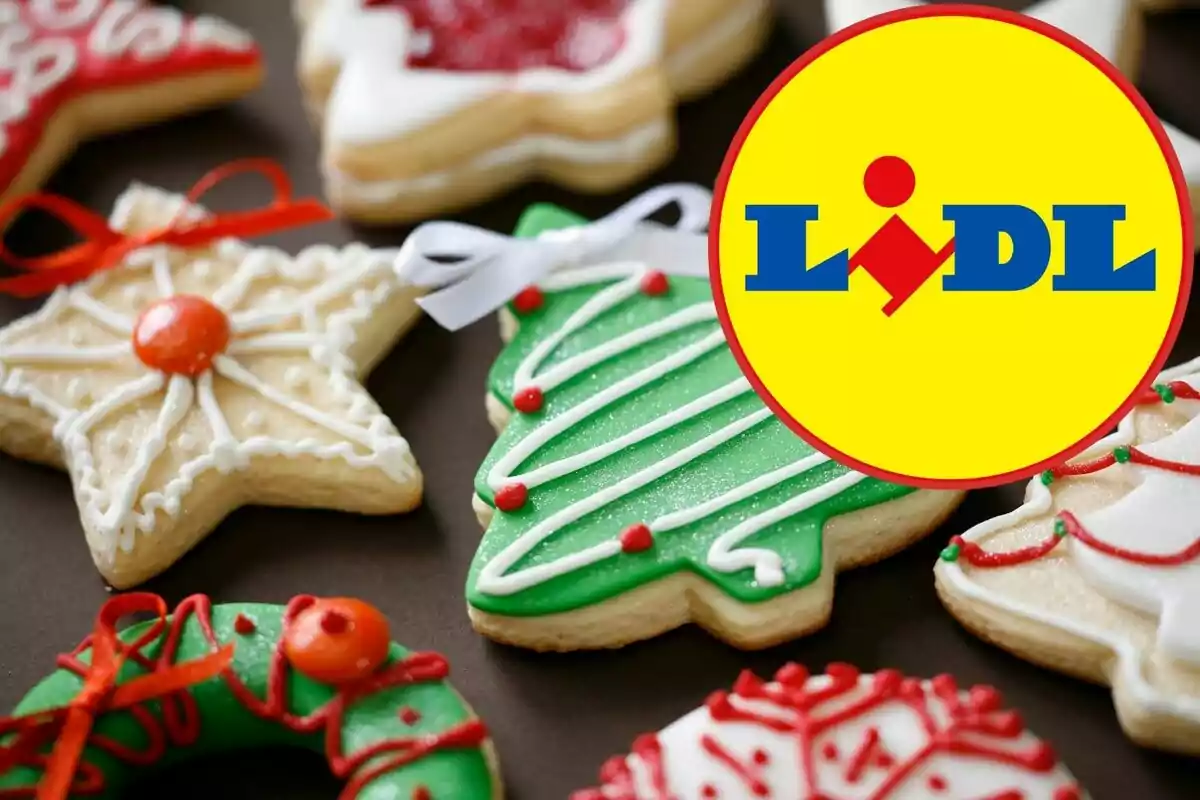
x=554, y=718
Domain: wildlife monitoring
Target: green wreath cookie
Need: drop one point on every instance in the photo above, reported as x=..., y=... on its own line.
x=319, y=674
x=639, y=483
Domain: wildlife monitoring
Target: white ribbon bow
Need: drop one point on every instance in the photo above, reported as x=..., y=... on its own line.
x=488, y=269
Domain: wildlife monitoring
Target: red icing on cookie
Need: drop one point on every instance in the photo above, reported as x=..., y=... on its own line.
x=60, y=53
x=528, y=400
x=337, y=641
x=511, y=497
x=180, y=335
x=243, y=625
x=636, y=538
x=654, y=284
x=528, y=300
x=512, y=35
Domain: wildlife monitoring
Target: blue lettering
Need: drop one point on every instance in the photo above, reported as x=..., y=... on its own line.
x=1089, y=252
x=977, y=265
x=783, y=253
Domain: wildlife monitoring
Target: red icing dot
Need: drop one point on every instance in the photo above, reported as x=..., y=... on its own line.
x=986, y=698
x=636, y=538
x=243, y=625
x=528, y=300
x=1043, y=757
x=761, y=757
x=1067, y=793
x=937, y=783
x=511, y=497
x=421, y=793
x=655, y=283
x=528, y=400
x=409, y=715
x=337, y=641
x=708, y=790
x=511, y=35
x=180, y=335
x=830, y=751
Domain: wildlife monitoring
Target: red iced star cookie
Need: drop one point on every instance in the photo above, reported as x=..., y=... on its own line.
x=71, y=69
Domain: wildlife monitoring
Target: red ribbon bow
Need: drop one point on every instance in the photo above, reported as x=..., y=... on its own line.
x=100, y=692
x=104, y=248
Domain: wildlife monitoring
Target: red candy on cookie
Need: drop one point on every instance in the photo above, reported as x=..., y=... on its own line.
x=338, y=640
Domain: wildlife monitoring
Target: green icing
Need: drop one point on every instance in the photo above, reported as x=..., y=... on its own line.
x=763, y=448
x=227, y=725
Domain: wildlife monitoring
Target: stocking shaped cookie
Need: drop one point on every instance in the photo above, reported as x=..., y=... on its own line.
x=1098, y=573
x=1113, y=28
x=188, y=379
x=841, y=735
x=429, y=106
x=71, y=69
x=639, y=483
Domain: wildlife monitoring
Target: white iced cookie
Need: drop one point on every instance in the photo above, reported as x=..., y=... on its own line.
x=182, y=383
x=1098, y=573
x=843, y=735
x=428, y=106
x=1113, y=28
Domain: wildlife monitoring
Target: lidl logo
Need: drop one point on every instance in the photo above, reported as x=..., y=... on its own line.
x=951, y=245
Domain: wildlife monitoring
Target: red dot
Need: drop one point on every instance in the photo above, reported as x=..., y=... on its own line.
x=709, y=790
x=761, y=757
x=1067, y=793
x=337, y=641
x=986, y=698
x=511, y=497
x=937, y=783
x=334, y=622
x=528, y=400
x=636, y=538
x=655, y=283
x=1043, y=757
x=830, y=751
x=422, y=793
x=528, y=300
x=243, y=625
x=180, y=335
x=409, y=715
x=889, y=181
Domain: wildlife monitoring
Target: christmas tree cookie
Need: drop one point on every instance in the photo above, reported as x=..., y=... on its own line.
x=1098, y=573
x=639, y=483
x=841, y=735
x=321, y=674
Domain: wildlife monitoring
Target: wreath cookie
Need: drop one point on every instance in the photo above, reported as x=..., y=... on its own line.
x=430, y=106
x=639, y=483
x=193, y=374
x=320, y=674
x=1098, y=573
x=1113, y=28
x=73, y=69
x=843, y=735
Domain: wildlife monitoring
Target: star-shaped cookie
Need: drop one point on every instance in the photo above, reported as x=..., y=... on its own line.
x=429, y=106
x=73, y=69
x=184, y=383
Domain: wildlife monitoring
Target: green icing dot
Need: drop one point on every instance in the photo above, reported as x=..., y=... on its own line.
x=950, y=554
x=1060, y=528
x=1121, y=454
x=1047, y=477
x=1164, y=391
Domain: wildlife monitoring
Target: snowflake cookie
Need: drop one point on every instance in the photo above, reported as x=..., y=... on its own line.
x=72, y=69
x=1113, y=28
x=639, y=483
x=429, y=106
x=185, y=382
x=841, y=735
x=1098, y=573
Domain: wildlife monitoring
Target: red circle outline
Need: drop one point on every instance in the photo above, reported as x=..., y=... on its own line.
x=977, y=12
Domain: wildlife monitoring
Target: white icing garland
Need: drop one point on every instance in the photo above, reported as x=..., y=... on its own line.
x=118, y=513
x=724, y=555
x=39, y=51
x=1039, y=502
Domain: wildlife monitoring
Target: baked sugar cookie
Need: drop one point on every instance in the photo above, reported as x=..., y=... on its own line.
x=1113, y=28
x=843, y=735
x=639, y=483
x=185, y=381
x=430, y=106
x=321, y=674
x=1098, y=573
x=76, y=69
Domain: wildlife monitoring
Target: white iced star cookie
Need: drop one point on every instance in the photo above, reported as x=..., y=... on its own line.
x=1098, y=573
x=841, y=735
x=429, y=106
x=1113, y=28
x=182, y=384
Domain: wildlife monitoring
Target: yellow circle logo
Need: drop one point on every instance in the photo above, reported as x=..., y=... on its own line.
x=951, y=246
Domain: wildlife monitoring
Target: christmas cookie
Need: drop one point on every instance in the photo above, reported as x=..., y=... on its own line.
x=80, y=68
x=429, y=106
x=193, y=374
x=639, y=483
x=1098, y=573
x=319, y=673
x=844, y=735
x=1113, y=28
